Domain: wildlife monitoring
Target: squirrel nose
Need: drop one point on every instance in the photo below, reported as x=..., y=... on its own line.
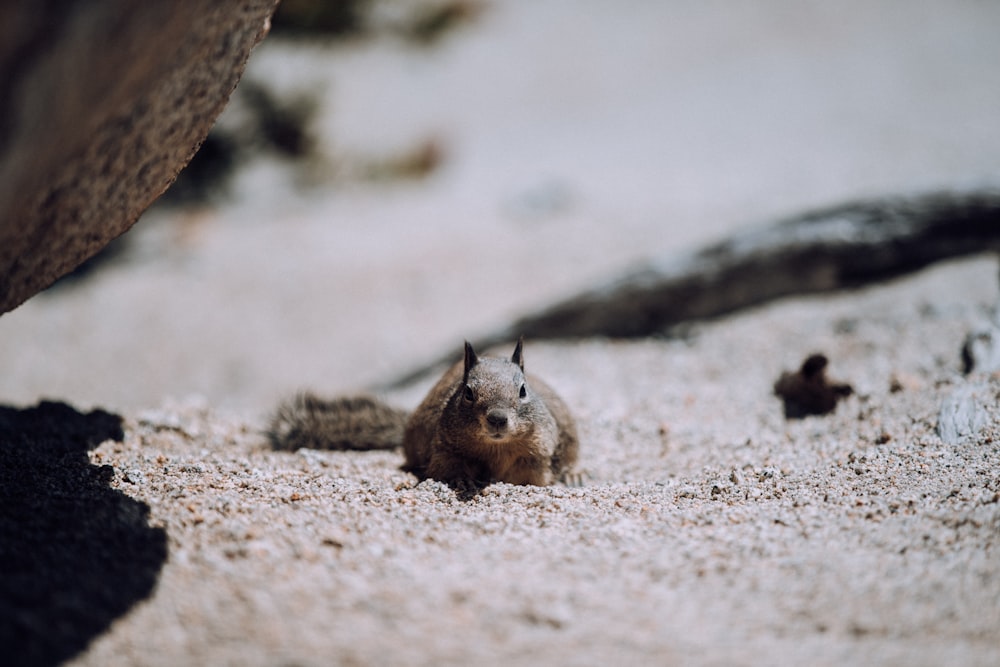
x=496, y=419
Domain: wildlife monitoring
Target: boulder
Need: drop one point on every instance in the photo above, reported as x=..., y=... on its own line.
x=102, y=103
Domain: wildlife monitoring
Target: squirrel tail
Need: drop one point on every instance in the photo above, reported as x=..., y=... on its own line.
x=354, y=422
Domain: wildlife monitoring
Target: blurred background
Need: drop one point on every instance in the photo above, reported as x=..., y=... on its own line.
x=392, y=177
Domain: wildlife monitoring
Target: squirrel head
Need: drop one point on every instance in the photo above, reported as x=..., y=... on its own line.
x=471, y=359
x=494, y=401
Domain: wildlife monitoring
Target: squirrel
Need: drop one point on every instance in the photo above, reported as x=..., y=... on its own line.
x=483, y=422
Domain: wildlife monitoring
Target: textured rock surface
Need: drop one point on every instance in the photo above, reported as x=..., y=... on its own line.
x=102, y=105
x=964, y=413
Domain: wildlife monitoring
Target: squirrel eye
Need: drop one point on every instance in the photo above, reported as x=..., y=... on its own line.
x=468, y=394
x=524, y=392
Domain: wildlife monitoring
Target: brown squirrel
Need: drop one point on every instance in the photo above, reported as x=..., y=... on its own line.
x=483, y=422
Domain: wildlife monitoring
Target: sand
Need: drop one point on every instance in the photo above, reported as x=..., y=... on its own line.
x=710, y=530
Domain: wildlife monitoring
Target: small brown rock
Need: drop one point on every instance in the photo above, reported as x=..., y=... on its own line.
x=808, y=391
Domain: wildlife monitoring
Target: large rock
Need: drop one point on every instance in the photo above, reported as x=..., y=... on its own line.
x=102, y=103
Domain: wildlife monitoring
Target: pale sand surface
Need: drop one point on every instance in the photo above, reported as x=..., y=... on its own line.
x=711, y=531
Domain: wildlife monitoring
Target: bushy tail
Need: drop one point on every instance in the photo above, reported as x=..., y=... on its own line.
x=354, y=422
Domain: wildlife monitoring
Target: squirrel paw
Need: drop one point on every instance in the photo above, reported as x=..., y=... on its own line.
x=574, y=478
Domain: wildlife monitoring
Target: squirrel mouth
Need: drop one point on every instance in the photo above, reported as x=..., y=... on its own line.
x=496, y=426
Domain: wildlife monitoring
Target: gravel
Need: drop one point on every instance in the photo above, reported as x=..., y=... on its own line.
x=711, y=530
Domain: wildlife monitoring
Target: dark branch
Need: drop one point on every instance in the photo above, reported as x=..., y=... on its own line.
x=837, y=248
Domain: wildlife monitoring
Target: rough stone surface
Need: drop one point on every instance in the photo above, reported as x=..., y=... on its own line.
x=981, y=350
x=964, y=413
x=101, y=105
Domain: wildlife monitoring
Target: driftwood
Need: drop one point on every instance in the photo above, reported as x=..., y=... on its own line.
x=836, y=248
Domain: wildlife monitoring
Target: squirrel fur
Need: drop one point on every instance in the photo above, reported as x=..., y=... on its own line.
x=484, y=421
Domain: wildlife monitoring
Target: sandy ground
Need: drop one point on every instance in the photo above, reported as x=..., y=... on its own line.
x=710, y=531
x=577, y=141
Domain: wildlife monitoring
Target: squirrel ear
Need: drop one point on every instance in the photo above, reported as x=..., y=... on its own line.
x=518, y=357
x=470, y=358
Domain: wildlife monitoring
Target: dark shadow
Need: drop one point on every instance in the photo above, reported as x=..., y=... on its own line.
x=75, y=554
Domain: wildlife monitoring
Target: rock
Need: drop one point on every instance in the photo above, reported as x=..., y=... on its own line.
x=808, y=391
x=981, y=350
x=102, y=103
x=963, y=414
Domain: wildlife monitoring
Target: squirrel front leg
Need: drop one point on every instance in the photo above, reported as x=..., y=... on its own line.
x=528, y=471
x=450, y=469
